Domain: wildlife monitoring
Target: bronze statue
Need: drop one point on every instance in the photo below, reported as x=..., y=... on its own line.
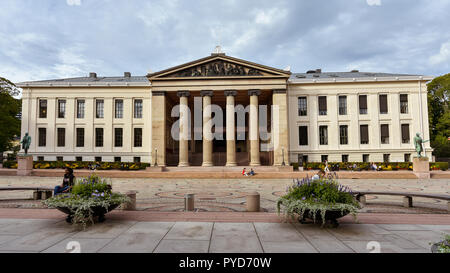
x=418, y=142
x=26, y=141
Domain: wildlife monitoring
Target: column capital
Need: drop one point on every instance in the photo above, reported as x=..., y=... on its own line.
x=159, y=93
x=183, y=94
x=279, y=91
x=230, y=93
x=254, y=92
x=206, y=93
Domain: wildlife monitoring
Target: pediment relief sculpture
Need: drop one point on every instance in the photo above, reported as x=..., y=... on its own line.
x=218, y=68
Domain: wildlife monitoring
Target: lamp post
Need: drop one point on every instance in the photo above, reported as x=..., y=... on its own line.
x=156, y=157
x=284, y=164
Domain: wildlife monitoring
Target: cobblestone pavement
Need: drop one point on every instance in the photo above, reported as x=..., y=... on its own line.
x=55, y=236
x=230, y=194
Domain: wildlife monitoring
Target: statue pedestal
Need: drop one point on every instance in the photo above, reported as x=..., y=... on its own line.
x=421, y=167
x=24, y=165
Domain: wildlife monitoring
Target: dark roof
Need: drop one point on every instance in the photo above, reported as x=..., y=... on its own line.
x=132, y=79
x=346, y=75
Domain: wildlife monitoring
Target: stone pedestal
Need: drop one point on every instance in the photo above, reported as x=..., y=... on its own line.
x=253, y=202
x=25, y=165
x=189, y=202
x=132, y=204
x=421, y=167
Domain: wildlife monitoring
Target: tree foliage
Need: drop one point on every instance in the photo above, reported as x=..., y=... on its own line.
x=439, y=114
x=9, y=109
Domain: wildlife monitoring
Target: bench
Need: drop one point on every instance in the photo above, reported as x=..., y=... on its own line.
x=407, y=197
x=39, y=193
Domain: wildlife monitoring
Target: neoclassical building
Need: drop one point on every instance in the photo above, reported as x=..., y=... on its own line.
x=270, y=117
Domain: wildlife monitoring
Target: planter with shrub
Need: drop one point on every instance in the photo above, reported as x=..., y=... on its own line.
x=90, y=197
x=321, y=200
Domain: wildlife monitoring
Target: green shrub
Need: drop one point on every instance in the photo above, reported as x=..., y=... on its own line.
x=443, y=166
x=10, y=164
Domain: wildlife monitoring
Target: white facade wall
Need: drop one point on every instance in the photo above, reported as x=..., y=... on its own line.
x=334, y=150
x=31, y=122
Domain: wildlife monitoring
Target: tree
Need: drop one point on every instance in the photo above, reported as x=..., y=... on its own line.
x=9, y=109
x=439, y=115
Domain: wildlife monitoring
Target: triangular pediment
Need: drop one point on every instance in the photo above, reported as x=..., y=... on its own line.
x=219, y=66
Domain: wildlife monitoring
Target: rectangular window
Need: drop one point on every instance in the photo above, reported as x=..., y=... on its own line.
x=98, y=137
x=343, y=134
x=405, y=134
x=117, y=159
x=42, y=108
x=322, y=106
x=137, y=137
x=137, y=160
x=98, y=159
x=118, y=109
x=302, y=106
x=344, y=158
x=363, y=104
x=80, y=108
x=42, y=137
x=343, y=105
x=61, y=137
x=80, y=137
x=303, y=135
x=324, y=158
x=99, y=111
x=323, y=135
x=364, y=134
x=138, y=108
x=407, y=157
x=40, y=158
x=60, y=158
x=386, y=158
x=366, y=158
x=118, y=137
x=79, y=159
x=404, y=103
x=61, y=108
x=383, y=104
x=384, y=134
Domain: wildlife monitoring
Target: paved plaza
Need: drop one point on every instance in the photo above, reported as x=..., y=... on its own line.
x=53, y=236
x=229, y=195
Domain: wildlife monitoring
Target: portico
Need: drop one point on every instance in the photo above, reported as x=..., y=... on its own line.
x=205, y=89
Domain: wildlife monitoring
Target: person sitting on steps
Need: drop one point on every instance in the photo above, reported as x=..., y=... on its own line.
x=67, y=182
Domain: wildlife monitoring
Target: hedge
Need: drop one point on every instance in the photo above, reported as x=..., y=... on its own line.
x=81, y=165
x=392, y=166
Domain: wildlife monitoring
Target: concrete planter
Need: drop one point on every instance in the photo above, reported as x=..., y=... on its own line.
x=331, y=217
x=98, y=212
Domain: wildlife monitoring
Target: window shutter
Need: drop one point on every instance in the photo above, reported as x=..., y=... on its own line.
x=363, y=102
x=384, y=130
x=322, y=103
x=383, y=104
x=405, y=132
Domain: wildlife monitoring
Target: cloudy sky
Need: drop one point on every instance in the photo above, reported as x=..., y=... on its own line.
x=50, y=39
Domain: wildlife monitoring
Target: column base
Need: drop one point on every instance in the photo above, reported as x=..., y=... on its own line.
x=232, y=164
x=208, y=164
x=183, y=165
x=255, y=164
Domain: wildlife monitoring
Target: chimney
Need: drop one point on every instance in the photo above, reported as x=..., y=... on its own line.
x=127, y=74
x=319, y=70
x=92, y=75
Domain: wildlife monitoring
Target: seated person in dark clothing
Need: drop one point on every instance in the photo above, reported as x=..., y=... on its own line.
x=67, y=182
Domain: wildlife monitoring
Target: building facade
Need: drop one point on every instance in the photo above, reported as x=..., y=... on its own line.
x=165, y=118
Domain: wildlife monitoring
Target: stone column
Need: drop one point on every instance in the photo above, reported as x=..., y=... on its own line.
x=207, y=134
x=231, y=129
x=159, y=128
x=184, y=129
x=253, y=128
x=280, y=129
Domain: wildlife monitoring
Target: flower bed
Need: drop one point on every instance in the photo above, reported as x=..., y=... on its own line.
x=320, y=200
x=125, y=166
x=91, y=196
